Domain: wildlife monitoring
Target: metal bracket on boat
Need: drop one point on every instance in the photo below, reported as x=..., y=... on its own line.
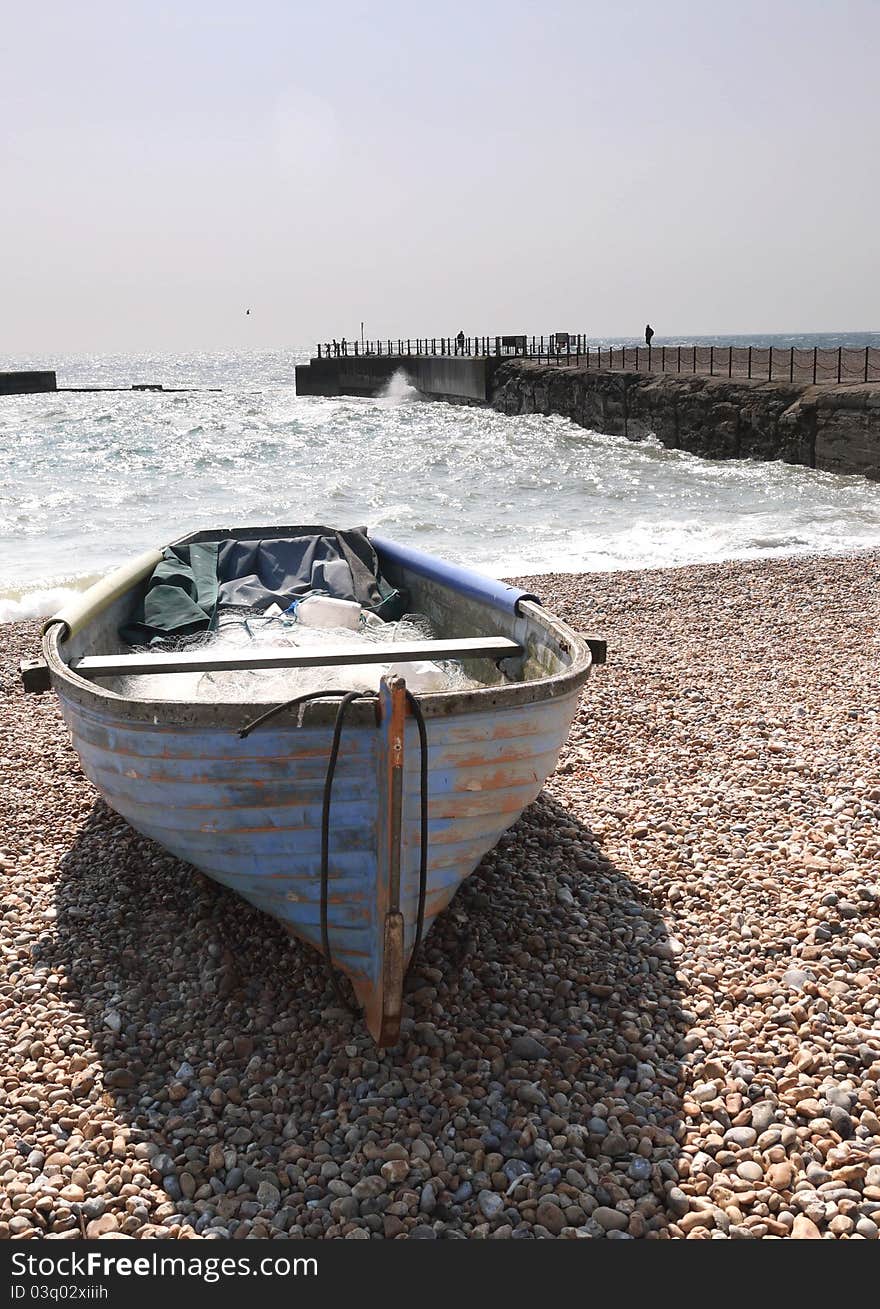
x=598, y=648
x=35, y=675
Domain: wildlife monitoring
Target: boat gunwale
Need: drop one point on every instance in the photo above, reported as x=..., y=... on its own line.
x=235, y=714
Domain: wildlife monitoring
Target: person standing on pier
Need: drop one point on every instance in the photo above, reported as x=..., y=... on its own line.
x=459, y=343
x=649, y=332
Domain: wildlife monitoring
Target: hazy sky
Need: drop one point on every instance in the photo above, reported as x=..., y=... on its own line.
x=495, y=165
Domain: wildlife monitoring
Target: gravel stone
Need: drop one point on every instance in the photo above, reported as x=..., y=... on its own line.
x=610, y=1220
x=490, y=1203
x=669, y=1035
x=526, y=1047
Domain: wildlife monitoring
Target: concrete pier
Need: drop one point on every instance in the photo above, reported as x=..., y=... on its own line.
x=33, y=383
x=142, y=387
x=26, y=383
x=466, y=379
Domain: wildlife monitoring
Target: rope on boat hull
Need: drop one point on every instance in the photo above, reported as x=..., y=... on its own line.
x=346, y=699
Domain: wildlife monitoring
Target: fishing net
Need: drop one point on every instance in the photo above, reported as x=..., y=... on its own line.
x=243, y=630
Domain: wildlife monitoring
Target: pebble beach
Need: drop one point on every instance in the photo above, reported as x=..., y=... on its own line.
x=652, y=1013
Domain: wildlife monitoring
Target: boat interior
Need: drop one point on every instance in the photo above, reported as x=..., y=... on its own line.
x=463, y=607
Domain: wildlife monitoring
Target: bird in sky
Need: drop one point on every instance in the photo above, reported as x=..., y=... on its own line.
x=247, y=311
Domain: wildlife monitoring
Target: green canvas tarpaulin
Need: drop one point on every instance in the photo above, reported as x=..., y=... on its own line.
x=193, y=582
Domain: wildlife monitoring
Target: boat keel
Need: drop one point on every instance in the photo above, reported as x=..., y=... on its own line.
x=383, y=1002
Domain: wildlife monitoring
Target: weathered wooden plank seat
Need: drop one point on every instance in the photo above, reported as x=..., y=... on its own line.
x=313, y=656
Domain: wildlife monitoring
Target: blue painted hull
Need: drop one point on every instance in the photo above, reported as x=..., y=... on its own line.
x=248, y=811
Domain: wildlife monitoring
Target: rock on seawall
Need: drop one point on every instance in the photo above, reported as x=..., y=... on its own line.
x=833, y=428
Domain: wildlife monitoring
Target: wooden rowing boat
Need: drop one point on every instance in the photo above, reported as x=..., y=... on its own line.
x=361, y=868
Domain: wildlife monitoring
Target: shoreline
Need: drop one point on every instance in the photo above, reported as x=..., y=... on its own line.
x=866, y=552
x=652, y=1013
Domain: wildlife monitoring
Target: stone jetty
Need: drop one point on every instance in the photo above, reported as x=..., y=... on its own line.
x=828, y=426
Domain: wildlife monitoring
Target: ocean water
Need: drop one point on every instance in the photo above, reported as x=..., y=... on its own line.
x=87, y=480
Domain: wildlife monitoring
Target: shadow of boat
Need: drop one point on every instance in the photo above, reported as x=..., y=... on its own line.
x=541, y=1025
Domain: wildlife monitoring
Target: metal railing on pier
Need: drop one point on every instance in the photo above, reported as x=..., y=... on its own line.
x=775, y=364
